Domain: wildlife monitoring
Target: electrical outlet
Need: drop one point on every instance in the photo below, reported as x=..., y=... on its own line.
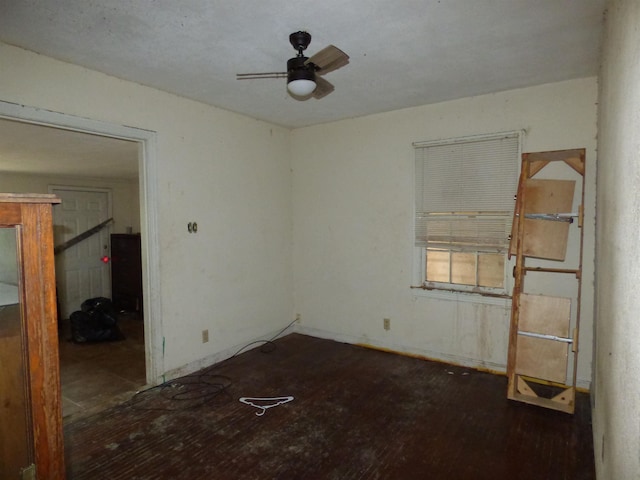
x=205, y=336
x=386, y=323
x=298, y=317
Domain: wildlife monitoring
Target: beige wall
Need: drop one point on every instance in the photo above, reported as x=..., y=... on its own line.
x=346, y=208
x=125, y=196
x=353, y=225
x=616, y=393
x=228, y=172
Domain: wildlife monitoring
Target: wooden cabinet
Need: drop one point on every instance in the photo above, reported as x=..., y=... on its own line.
x=126, y=272
x=31, y=440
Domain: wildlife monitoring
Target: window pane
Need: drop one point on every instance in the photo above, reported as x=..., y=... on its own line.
x=463, y=268
x=437, y=266
x=464, y=209
x=491, y=270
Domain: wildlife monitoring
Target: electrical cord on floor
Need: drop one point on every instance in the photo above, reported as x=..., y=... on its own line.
x=198, y=388
x=268, y=345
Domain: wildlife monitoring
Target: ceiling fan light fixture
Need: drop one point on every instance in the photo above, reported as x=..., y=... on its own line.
x=301, y=87
x=301, y=80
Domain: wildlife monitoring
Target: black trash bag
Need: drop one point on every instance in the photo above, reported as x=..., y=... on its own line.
x=102, y=307
x=96, y=322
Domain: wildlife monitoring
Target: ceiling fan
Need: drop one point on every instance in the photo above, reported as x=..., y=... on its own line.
x=304, y=74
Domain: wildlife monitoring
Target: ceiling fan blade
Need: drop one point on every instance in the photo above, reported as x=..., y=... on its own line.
x=328, y=59
x=323, y=88
x=252, y=76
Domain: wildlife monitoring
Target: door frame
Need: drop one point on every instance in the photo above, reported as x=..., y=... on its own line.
x=148, y=184
x=76, y=188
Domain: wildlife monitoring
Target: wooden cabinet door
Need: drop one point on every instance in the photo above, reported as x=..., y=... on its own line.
x=31, y=441
x=16, y=449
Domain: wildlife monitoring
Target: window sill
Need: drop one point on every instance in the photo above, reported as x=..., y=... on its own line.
x=459, y=296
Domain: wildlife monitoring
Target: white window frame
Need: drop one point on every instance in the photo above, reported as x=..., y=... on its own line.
x=454, y=291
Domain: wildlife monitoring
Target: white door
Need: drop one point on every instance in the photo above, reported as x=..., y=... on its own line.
x=80, y=272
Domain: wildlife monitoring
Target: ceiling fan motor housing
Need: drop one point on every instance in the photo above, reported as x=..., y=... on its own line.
x=297, y=70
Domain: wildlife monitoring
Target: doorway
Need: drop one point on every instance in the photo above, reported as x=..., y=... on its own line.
x=145, y=141
x=100, y=370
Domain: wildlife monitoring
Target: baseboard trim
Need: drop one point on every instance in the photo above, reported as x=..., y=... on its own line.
x=424, y=354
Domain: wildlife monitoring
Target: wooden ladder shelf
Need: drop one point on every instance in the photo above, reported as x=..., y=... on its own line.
x=543, y=338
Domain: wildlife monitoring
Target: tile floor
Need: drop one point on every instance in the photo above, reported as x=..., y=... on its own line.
x=95, y=376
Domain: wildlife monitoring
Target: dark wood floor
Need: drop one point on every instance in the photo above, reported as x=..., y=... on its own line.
x=356, y=414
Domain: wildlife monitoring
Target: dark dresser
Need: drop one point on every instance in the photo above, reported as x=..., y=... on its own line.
x=126, y=272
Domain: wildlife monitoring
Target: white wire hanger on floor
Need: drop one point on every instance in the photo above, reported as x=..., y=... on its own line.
x=277, y=401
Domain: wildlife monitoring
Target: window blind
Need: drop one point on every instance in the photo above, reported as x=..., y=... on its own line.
x=464, y=192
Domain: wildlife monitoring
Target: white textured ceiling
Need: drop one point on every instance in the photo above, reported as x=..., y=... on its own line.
x=403, y=53
x=26, y=148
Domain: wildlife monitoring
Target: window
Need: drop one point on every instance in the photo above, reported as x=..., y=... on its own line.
x=464, y=209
